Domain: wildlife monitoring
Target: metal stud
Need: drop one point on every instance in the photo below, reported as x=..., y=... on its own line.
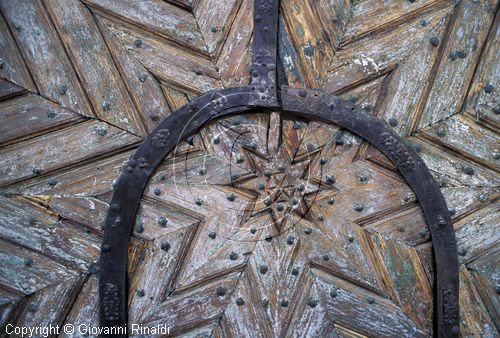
x=333, y=293
x=483, y=198
x=36, y=170
x=267, y=201
x=280, y=207
x=212, y=235
x=321, y=218
x=106, y=106
x=423, y=233
x=441, y=132
x=302, y=93
x=350, y=238
x=308, y=231
x=290, y=239
x=199, y=201
x=139, y=228
x=263, y=269
x=230, y=197
x=32, y=221
x=28, y=262
x=138, y=43
x=330, y=179
x=62, y=89
x=162, y=221
x=240, y=159
x=53, y=181
x=216, y=140
x=469, y=170
x=143, y=77
x=105, y=248
x=358, y=207
x=213, y=29
x=296, y=125
x=268, y=238
x=312, y=302
x=221, y=291
x=434, y=41
x=393, y=122
x=262, y=186
x=157, y=191
x=295, y=271
x=282, y=168
x=265, y=303
x=400, y=228
x=253, y=231
x=240, y=301
x=322, y=161
x=165, y=246
x=462, y=251
x=370, y=300
x=284, y=303
x=140, y=293
x=233, y=256
x=326, y=257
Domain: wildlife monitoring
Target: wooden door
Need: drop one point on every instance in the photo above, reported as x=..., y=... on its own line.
x=260, y=225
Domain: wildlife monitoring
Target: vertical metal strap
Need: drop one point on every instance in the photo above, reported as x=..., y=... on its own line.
x=265, y=40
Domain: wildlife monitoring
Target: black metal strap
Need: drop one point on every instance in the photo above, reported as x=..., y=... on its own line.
x=306, y=103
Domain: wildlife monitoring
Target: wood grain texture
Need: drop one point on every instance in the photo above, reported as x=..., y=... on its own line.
x=240, y=231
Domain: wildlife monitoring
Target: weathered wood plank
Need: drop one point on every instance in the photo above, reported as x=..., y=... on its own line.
x=485, y=102
x=234, y=57
x=88, y=211
x=32, y=226
x=144, y=89
x=93, y=62
x=405, y=279
x=9, y=89
x=383, y=14
x=467, y=138
x=214, y=19
x=44, y=53
x=13, y=68
x=469, y=29
x=334, y=16
x=158, y=17
x=61, y=148
x=363, y=311
x=309, y=39
x=171, y=64
x=30, y=115
x=90, y=179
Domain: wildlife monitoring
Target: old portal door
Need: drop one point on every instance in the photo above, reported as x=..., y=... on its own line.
x=259, y=225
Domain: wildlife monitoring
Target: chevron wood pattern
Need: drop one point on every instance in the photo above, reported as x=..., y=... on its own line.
x=260, y=225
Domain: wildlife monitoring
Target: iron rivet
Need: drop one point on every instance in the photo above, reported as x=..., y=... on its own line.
x=393, y=122
x=302, y=93
x=370, y=300
x=234, y=177
x=240, y=301
x=53, y=181
x=265, y=303
x=140, y=293
x=106, y=106
x=284, y=303
x=263, y=269
x=462, y=252
x=221, y=291
x=282, y=168
x=230, y=197
x=269, y=238
x=102, y=130
x=333, y=293
x=157, y=191
x=252, y=145
x=496, y=156
x=162, y=221
x=240, y=159
x=279, y=207
x=37, y=170
x=321, y=218
x=105, y=248
x=138, y=43
x=290, y=240
x=213, y=29
x=32, y=221
x=350, y=238
x=363, y=179
x=165, y=246
x=92, y=270
x=469, y=170
x=330, y=179
x=139, y=228
x=62, y=89
x=262, y=186
x=115, y=207
x=310, y=147
x=441, y=221
x=455, y=330
x=434, y=41
x=488, y=88
x=308, y=231
x=265, y=29
x=295, y=201
x=312, y=302
x=163, y=177
x=496, y=110
x=326, y=257
x=212, y=235
x=400, y=228
x=358, y=207
x=423, y=233
x=301, y=187
x=441, y=132
x=199, y=201
x=253, y=231
x=483, y=197
x=295, y=271
x=202, y=171
x=418, y=147
x=198, y=71
x=28, y=262
x=233, y=256
x=452, y=211
x=267, y=201
x=1, y=63
x=335, y=19
x=216, y=140
x=143, y=77
x=296, y=125
x=322, y=161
